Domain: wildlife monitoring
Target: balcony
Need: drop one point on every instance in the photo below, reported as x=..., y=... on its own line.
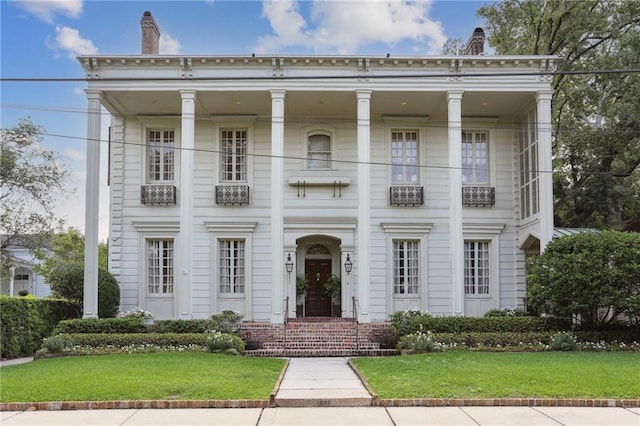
x=232, y=195
x=478, y=196
x=406, y=195
x=158, y=195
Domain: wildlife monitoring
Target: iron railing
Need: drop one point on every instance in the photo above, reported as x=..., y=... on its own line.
x=158, y=194
x=232, y=195
x=406, y=195
x=478, y=196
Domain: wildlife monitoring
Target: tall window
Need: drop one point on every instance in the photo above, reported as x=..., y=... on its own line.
x=319, y=151
x=528, y=159
x=405, y=267
x=160, y=155
x=474, y=157
x=234, y=155
x=404, y=156
x=231, y=270
x=160, y=267
x=476, y=268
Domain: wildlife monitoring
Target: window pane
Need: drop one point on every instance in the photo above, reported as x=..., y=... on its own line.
x=476, y=267
x=160, y=267
x=319, y=152
x=233, y=154
x=231, y=260
x=405, y=267
x=404, y=157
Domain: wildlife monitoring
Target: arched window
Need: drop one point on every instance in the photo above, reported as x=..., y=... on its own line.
x=319, y=151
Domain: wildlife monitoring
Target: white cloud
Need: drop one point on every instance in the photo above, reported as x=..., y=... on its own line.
x=343, y=26
x=77, y=90
x=169, y=45
x=74, y=154
x=48, y=9
x=71, y=41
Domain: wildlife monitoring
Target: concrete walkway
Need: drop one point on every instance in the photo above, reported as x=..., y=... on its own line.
x=321, y=382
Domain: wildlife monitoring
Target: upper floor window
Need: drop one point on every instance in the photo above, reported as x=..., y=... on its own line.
x=475, y=158
x=160, y=267
x=528, y=160
x=405, y=267
x=161, y=155
x=231, y=260
x=234, y=155
x=476, y=267
x=404, y=156
x=319, y=151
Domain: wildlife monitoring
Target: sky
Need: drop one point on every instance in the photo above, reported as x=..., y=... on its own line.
x=41, y=39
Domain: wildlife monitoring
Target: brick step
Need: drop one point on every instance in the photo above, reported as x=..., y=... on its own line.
x=299, y=353
x=312, y=345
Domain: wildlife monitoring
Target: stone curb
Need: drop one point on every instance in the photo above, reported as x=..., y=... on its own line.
x=108, y=405
x=507, y=402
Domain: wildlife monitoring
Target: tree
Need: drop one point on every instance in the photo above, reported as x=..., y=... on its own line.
x=30, y=179
x=593, y=277
x=67, y=248
x=596, y=118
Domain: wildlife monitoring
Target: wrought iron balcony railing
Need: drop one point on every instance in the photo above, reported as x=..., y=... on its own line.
x=478, y=196
x=158, y=194
x=232, y=195
x=406, y=195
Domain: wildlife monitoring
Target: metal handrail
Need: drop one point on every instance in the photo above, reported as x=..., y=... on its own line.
x=355, y=320
x=286, y=319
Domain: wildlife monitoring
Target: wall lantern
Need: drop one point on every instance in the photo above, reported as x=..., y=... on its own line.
x=289, y=263
x=348, y=264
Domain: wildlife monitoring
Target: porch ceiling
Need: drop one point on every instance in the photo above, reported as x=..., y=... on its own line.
x=316, y=104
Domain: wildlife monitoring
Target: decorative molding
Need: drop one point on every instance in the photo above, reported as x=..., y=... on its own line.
x=219, y=226
x=406, y=227
x=404, y=119
x=319, y=180
x=233, y=118
x=156, y=225
x=483, y=228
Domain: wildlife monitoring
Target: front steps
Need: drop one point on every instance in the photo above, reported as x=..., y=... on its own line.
x=321, y=337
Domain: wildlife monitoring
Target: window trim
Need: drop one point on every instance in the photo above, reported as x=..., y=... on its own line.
x=404, y=130
x=232, y=123
x=159, y=123
x=308, y=131
x=489, y=157
x=160, y=295
x=406, y=268
x=491, y=234
x=222, y=172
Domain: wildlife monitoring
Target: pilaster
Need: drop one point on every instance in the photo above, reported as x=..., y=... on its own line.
x=185, y=243
x=277, y=205
x=545, y=167
x=454, y=102
x=92, y=206
x=363, y=254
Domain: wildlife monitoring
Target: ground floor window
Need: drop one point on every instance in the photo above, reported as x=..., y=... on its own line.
x=476, y=267
x=231, y=274
x=160, y=273
x=405, y=267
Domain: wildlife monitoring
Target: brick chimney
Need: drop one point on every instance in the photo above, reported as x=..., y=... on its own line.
x=150, y=35
x=475, y=45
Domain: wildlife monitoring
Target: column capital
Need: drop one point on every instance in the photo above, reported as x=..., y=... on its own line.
x=363, y=94
x=544, y=95
x=278, y=93
x=93, y=95
x=453, y=95
x=188, y=94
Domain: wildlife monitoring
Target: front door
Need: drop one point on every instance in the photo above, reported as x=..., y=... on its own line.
x=318, y=302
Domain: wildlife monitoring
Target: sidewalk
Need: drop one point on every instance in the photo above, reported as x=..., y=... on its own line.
x=325, y=391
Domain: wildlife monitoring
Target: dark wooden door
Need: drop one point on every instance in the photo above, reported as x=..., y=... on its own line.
x=318, y=302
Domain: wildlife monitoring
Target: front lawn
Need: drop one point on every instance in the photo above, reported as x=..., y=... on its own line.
x=161, y=376
x=466, y=374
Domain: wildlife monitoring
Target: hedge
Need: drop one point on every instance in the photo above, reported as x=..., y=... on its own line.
x=25, y=321
x=407, y=322
x=131, y=325
x=122, y=340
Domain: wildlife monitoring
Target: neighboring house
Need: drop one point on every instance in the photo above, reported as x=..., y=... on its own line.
x=22, y=274
x=428, y=175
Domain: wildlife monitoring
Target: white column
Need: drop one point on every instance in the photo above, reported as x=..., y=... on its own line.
x=12, y=271
x=545, y=167
x=92, y=207
x=185, y=243
x=363, y=254
x=277, y=205
x=454, y=101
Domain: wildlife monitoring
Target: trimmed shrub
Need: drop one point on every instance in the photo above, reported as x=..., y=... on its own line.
x=564, y=341
x=504, y=313
x=180, y=326
x=409, y=322
x=24, y=321
x=97, y=341
x=226, y=321
x=102, y=325
x=593, y=277
x=225, y=343
x=57, y=344
x=68, y=282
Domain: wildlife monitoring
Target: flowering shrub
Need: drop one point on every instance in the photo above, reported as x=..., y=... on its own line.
x=136, y=313
x=226, y=321
x=419, y=342
x=564, y=341
x=225, y=343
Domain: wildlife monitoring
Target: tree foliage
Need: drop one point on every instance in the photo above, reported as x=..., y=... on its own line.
x=593, y=276
x=31, y=177
x=596, y=116
x=67, y=248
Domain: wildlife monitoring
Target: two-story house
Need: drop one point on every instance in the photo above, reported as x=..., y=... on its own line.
x=420, y=181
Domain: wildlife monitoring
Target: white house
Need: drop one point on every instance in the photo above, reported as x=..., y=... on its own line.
x=22, y=275
x=428, y=175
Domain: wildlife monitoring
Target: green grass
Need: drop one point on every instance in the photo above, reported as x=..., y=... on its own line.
x=462, y=374
x=162, y=376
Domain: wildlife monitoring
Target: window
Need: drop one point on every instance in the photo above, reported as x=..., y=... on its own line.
x=319, y=151
x=160, y=155
x=528, y=160
x=474, y=158
x=160, y=267
x=231, y=274
x=405, y=267
x=21, y=277
x=476, y=267
x=234, y=155
x=404, y=156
